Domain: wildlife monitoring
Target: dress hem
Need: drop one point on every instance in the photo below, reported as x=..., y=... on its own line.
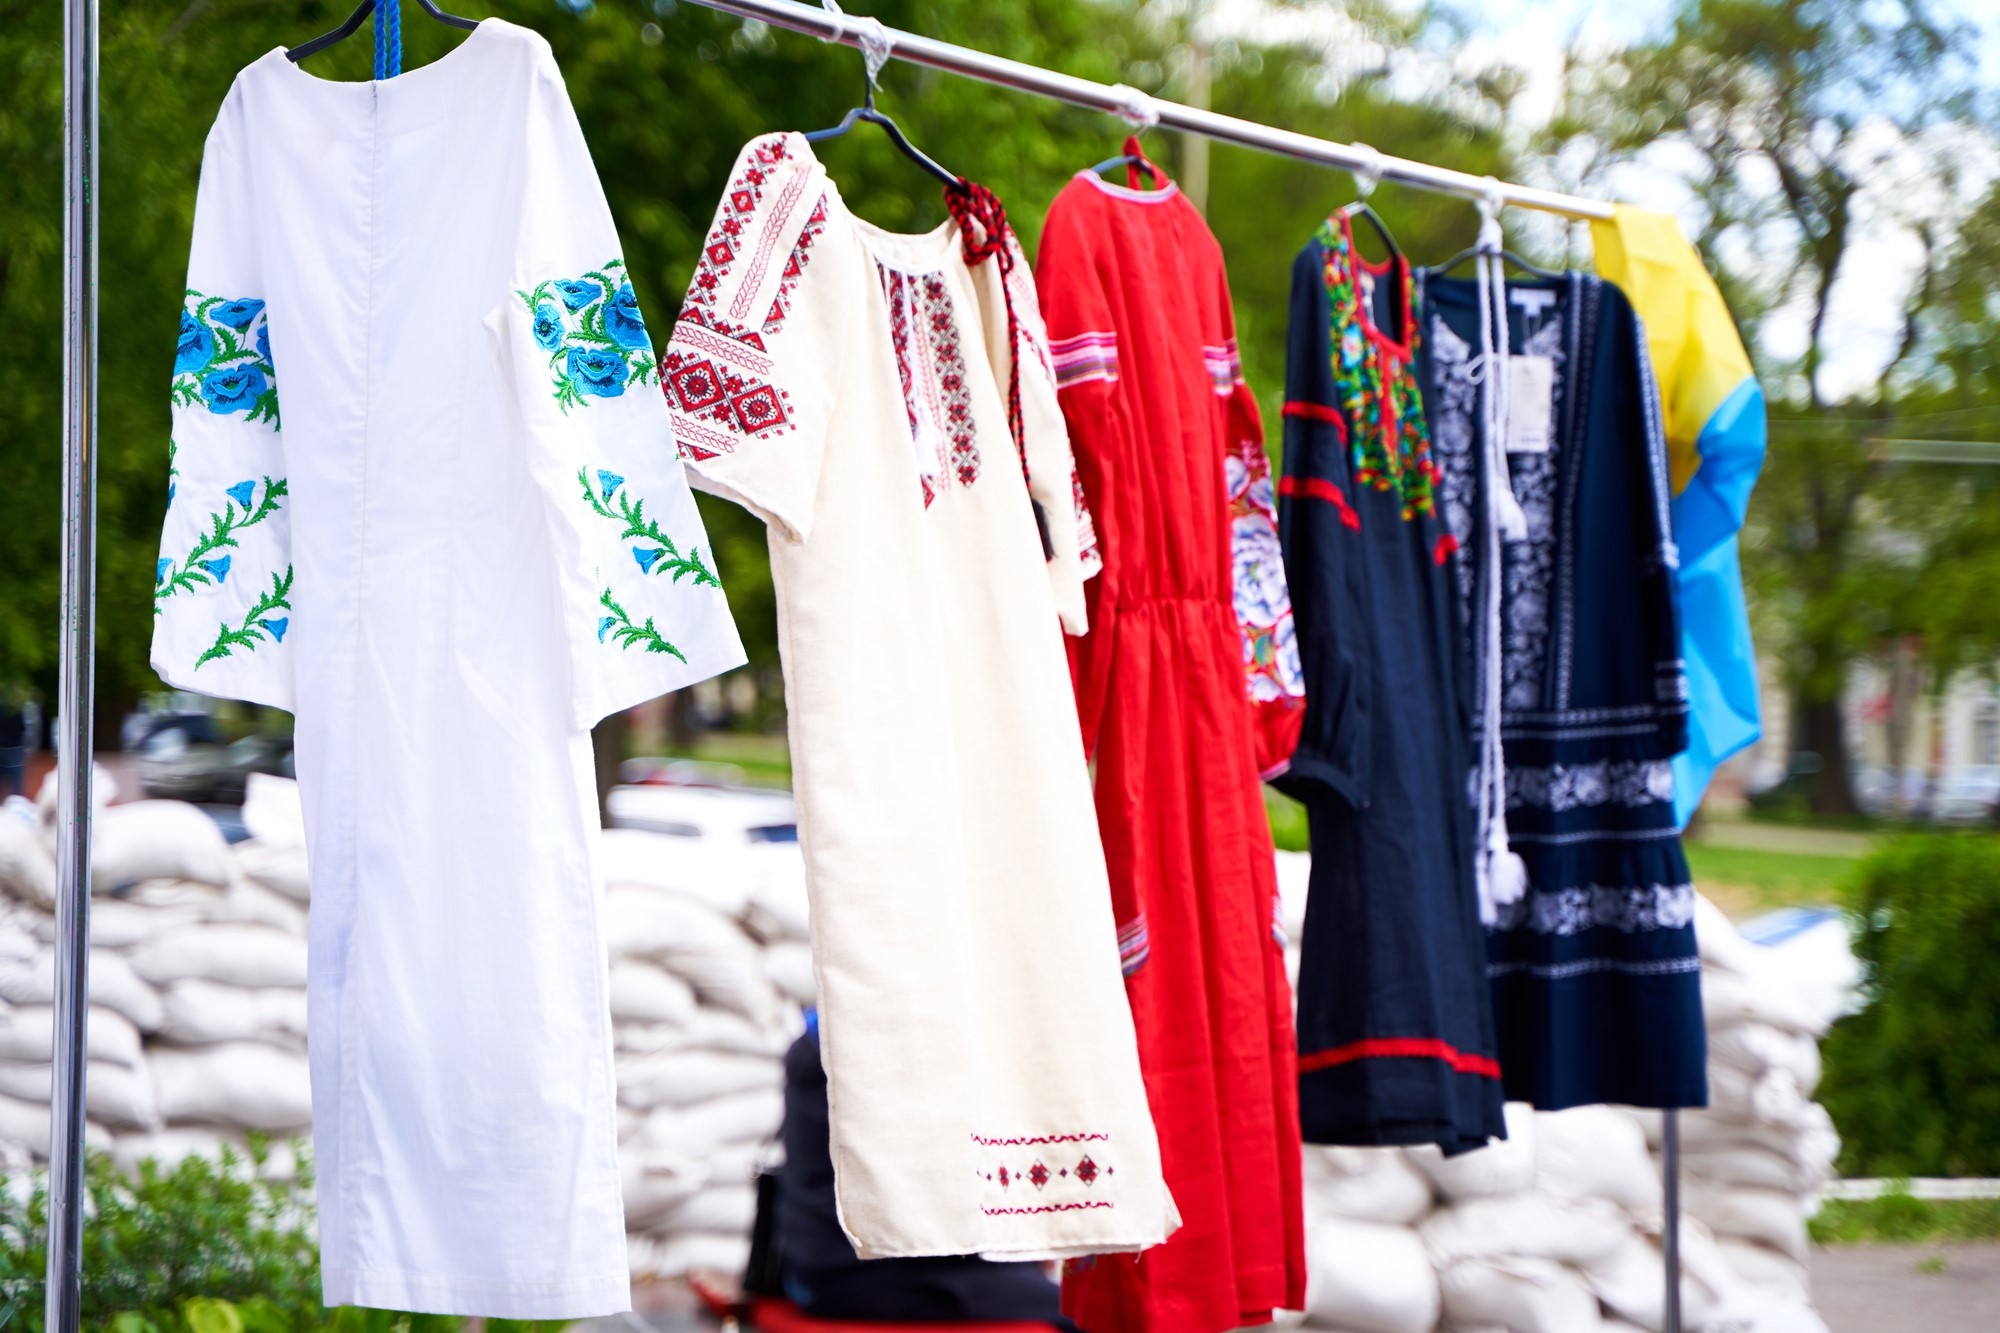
x=388, y=1289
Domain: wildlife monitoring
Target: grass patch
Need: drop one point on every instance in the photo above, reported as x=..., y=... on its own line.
x=766, y=761
x=1746, y=881
x=1899, y=1218
x=1288, y=821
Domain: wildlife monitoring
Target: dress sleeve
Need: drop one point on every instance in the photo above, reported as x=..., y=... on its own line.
x=1321, y=534
x=222, y=587
x=646, y=612
x=752, y=372
x=1069, y=533
x=1083, y=365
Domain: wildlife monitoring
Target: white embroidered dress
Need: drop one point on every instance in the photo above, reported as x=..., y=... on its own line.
x=848, y=385
x=469, y=538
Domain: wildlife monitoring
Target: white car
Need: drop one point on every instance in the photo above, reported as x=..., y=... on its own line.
x=728, y=816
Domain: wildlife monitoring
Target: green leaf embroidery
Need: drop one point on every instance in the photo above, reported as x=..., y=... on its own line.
x=628, y=635
x=191, y=573
x=257, y=625
x=585, y=328
x=632, y=513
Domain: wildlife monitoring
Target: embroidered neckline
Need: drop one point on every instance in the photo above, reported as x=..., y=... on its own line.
x=1375, y=375
x=1158, y=195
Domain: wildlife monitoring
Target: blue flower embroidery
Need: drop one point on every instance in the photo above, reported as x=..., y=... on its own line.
x=241, y=492
x=235, y=388
x=577, y=293
x=277, y=627
x=160, y=572
x=604, y=625
x=239, y=313
x=548, y=326
x=597, y=373
x=607, y=482
x=197, y=345
x=647, y=558
x=264, y=346
x=623, y=321
x=218, y=568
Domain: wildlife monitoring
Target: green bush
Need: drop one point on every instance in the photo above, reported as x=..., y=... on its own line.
x=203, y=1248
x=1913, y=1080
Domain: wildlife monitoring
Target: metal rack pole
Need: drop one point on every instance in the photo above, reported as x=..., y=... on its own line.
x=1670, y=1173
x=852, y=30
x=78, y=648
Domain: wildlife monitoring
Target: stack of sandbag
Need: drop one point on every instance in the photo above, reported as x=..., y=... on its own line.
x=1560, y=1226
x=197, y=983
x=709, y=974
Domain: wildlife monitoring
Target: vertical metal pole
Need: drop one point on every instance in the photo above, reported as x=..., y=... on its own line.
x=78, y=648
x=1670, y=1171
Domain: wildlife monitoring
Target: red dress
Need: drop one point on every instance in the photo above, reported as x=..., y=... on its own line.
x=1169, y=450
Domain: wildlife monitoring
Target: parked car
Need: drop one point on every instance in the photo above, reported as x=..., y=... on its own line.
x=725, y=815
x=175, y=768
x=1967, y=796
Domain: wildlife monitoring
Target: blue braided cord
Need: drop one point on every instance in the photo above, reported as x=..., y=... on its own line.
x=388, y=38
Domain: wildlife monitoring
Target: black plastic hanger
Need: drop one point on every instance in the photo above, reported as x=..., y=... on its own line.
x=1133, y=158
x=866, y=111
x=1361, y=208
x=346, y=29
x=1532, y=270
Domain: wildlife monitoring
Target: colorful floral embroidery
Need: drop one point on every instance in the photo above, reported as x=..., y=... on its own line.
x=1224, y=366
x=656, y=553
x=1086, y=357
x=206, y=564
x=1390, y=443
x=1257, y=563
x=593, y=333
x=223, y=358
x=618, y=625
x=1135, y=945
x=257, y=623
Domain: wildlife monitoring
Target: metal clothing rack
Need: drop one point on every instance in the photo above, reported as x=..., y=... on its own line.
x=78, y=635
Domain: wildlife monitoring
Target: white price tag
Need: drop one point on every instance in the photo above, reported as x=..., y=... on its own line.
x=1531, y=392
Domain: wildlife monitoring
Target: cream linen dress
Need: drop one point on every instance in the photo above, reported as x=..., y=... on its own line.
x=426, y=497
x=848, y=386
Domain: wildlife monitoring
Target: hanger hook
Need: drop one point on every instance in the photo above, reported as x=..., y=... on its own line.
x=876, y=44
x=1367, y=172
x=1136, y=108
x=1492, y=198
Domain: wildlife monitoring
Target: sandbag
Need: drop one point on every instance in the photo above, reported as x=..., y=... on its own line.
x=1769, y=1217
x=1365, y=1184
x=241, y=1084
x=202, y=1013
x=778, y=909
x=281, y=869
x=1369, y=1278
x=1771, y=1098
x=643, y=993
x=117, y=1096
x=27, y=1035
x=1535, y=1226
x=168, y=1148
x=719, y=876
x=1595, y=1152
x=703, y=948
x=1749, y=1165
x=713, y=1029
x=1764, y=1269
x=27, y=870
x=248, y=903
x=1757, y=1048
x=1504, y=1166
x=156, y=840
x=721, y=1208
x=1519, y=1295
x=103, y=791
x=113, y=985
x=27, y=1124
x=272, y=811
x=249, y=956
x=1728, y=999
x=743, y=1117
x=1631, y=1280
x=690, y=1078
x=701, y=1252
x=118, y=924
x=789, y=967
x=655, y=1181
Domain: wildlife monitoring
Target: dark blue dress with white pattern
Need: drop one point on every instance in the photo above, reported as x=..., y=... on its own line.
x=1596, y=982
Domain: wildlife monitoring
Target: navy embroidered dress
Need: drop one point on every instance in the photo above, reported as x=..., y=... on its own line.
x=1596, y=983
x=1396, y=1039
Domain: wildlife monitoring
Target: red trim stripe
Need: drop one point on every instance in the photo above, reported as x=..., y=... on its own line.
x=1417, y=1048
x=1319, y=488
x=1318, y=412
x=1444, y=548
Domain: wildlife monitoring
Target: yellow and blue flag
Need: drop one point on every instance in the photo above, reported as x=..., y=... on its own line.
x=1715, y=425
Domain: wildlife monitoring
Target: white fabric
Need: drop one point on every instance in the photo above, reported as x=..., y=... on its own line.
x=470, y=540
x=975, y=1024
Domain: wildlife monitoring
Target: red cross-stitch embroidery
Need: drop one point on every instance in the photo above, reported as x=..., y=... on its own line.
x=795, y=267
x=1038, y=1175
x=739, y=202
